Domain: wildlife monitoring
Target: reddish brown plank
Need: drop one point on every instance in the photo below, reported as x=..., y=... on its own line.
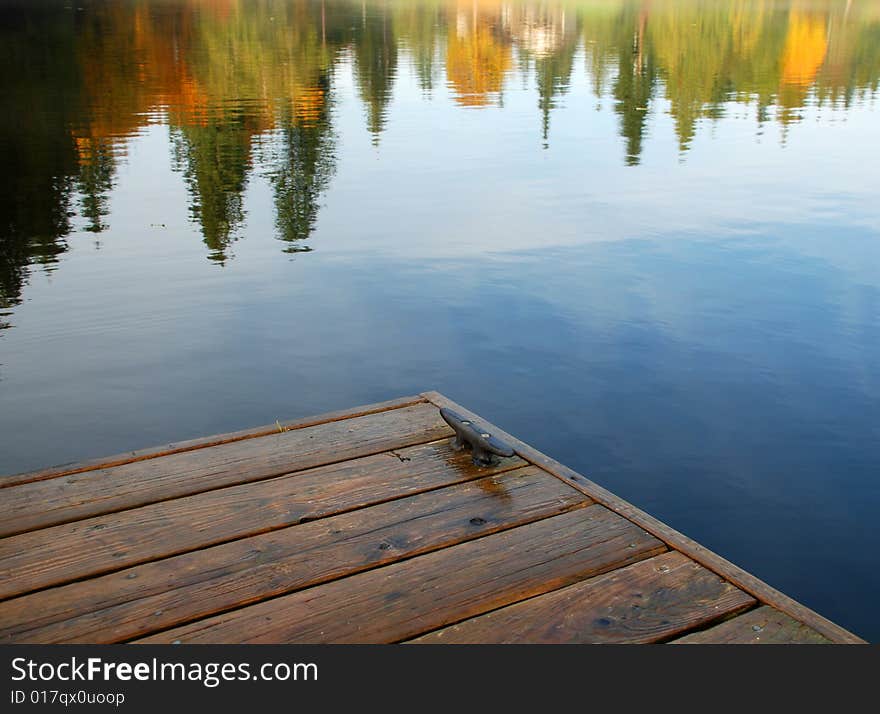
x=71, y=551
x=675, y=540
x=761, y=626
x=645, y=602
x=74, y=497
x=406, y=599
x=170, y=592
x=203, y=442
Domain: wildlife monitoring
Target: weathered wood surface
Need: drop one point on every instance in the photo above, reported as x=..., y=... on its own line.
x=52, y=556
x=762, y=626
x=403, y=600
x=675, y=540
x=205, y=442
x=176, y=590
x=360, y=526
x=649, y=601
x=81, y=495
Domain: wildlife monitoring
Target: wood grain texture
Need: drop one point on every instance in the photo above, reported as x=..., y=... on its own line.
x=170, y=592
x=203, y=442
x=71, y=551
x=405, y=599
x=645, y=602
x=675, y=540
x=761, y=626
x=77, y=496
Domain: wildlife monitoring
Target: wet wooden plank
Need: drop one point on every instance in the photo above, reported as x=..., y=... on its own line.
x=170, y=592
x=71, y=551
x=649, y=601
x=406, y=599
x=675, y=540
x=83, y=495
x=204, y=442
x=764, y=625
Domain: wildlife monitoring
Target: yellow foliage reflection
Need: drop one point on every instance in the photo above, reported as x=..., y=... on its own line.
x=478, y=56
x=805, y=48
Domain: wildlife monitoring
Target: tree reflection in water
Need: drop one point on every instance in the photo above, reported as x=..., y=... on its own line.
x=227, y=75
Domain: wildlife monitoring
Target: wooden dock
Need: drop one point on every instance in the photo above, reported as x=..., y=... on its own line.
x=361, y=526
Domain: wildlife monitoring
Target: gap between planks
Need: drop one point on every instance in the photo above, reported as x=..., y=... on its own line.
x=763, y=625
x=650, y=601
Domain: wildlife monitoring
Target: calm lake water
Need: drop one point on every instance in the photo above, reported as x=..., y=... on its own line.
x=643, y=235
